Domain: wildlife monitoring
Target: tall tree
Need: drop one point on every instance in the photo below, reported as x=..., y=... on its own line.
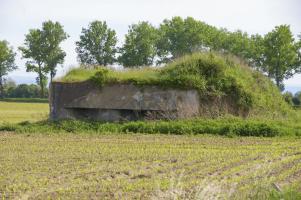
x=297, y=99
x=281, y=55
x=288, y=97
x=255, y=54
x=41, y=48
x=33, y=50
x=7, y=63
x=182, y=36
x=299, y=50
x=139, y=48
x=97, y=45
x=237, y=43
x=217, y=38
x=53, y=34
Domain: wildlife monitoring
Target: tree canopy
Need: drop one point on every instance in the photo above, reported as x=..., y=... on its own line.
x=276, y=54
x=53, y=34
x=97, y=44
x=297, y=99
x=281, y=54
x=42, y=51
x=7, y=62
x=139, y=48
x=182, y=36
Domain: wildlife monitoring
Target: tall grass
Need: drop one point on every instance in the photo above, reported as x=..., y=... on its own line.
x=223, y=126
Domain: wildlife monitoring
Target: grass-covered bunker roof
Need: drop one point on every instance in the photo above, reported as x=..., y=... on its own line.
x=216, y=77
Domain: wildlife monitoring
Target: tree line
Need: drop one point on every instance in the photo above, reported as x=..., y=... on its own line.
x=12, y=90
x=276, y=54
x=293, y=99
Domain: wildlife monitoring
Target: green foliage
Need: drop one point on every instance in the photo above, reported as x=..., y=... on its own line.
x=255, y=54
x=288, y=97
x=237, y=43
x=25, y=91
x=33, y=50
x=53, y=34
x=8, y=86
x=139, y=48
x=222, y=126
x=41, y=48
x=7, y=58
x=97, y=45
x=290, y=193
x=78, y=75
x=281, y=55
x=297, y=99
x=277, y=53
x=101, y=76
x=182, y=36
x=7, y=63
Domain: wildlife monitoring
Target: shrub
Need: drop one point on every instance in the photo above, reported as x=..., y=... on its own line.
x=101, y=76
x=222, y=126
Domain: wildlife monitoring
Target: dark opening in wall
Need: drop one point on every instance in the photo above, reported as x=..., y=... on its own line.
x=98, y=114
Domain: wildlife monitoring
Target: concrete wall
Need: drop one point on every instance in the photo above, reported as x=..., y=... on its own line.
x=119, y=102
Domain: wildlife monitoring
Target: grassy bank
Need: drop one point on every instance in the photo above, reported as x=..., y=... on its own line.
x=222, y=126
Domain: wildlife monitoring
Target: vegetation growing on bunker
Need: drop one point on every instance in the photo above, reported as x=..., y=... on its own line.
x=216, y=77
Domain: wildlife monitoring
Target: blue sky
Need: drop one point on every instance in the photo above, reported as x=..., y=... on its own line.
x=252, y=16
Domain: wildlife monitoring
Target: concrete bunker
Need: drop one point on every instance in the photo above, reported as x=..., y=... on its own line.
x=120, y=102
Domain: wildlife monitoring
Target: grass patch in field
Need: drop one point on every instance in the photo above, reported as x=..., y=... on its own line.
x=15, y=112
x=288, y=193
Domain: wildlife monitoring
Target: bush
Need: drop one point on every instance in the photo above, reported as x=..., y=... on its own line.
x=101, y=76
x=288, y=97
x=24, y=91
x=223, y=126
x=297, y=99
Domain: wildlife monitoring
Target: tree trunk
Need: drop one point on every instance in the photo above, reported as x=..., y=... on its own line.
x=278, y=76
x=51, y=76
x=1, y=88
x=41, y=81
x=278, y=82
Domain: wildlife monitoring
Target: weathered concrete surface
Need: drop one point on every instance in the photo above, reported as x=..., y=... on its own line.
x=120, y=102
